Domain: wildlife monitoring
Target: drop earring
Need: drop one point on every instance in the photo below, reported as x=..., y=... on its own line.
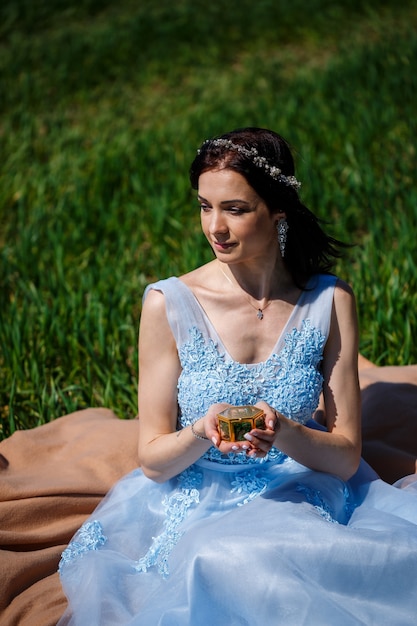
x=282, y=227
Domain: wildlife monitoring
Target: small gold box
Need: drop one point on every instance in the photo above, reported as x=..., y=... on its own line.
x=236, y=421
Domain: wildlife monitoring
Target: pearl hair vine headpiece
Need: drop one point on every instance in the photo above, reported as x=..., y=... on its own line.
x=260, y=161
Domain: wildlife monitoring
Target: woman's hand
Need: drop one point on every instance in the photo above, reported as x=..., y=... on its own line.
x=211, y=428
x=257, y=442
x=261, y=441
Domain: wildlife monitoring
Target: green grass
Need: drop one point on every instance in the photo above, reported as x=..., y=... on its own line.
x=102, y=108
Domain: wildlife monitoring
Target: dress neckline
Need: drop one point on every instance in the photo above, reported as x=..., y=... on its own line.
x=278, y=344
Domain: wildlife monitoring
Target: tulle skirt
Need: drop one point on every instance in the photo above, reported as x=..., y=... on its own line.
x=271, y=545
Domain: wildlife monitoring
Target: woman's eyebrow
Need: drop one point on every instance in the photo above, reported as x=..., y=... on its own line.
x=232, y=201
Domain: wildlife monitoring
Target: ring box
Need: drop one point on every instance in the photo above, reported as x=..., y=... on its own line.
x=236, y=421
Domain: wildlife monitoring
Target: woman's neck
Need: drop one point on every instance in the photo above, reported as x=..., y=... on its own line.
x=260, y=283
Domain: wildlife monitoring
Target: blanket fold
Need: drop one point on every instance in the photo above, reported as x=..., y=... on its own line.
x=51, y=478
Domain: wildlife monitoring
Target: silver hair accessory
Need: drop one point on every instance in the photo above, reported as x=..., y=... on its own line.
x=282, y=228
x=260, y=161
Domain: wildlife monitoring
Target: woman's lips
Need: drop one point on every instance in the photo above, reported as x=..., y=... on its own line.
x=223, y=246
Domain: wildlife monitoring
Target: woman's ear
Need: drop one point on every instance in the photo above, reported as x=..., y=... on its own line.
x=279, y=215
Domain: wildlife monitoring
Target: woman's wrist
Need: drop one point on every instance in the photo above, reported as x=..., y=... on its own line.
x=280, y=427
x=198, y=435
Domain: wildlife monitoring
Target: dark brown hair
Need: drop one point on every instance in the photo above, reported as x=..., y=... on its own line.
x=309, y=250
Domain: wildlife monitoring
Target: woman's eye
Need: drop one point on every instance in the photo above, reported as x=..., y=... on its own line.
x=235, y=210
x=204, y=207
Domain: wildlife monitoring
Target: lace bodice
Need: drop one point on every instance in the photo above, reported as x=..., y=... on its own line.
x=290, y=380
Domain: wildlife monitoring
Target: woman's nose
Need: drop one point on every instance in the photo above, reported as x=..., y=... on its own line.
x=218, y=223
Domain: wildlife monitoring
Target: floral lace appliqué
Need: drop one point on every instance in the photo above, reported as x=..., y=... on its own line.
x=314, y=497
x=89, y=537
x=176, y=507
x=250, y=483
x=349, y=505
x=290, y=381
x=241, y=458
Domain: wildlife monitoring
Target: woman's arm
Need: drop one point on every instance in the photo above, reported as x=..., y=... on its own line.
x=336, y=451
x=163, y=452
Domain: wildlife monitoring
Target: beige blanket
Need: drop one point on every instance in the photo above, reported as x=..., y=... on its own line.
x=52, y=478
x=389, y=419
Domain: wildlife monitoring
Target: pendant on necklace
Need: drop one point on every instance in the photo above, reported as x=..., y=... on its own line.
x=259, y=314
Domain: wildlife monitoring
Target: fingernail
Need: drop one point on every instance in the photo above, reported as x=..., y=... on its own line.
x=271, y=424
x=245, y=447
x=214, y=440
x=248, y=437
x=235, y=447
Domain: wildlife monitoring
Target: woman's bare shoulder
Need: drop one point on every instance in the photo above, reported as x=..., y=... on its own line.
x=202, y=277
x=343, y=290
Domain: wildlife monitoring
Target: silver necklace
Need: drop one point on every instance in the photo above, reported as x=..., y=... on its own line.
x=259, y=311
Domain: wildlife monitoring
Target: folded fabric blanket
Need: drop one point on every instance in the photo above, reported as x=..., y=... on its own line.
x=389, y=418
x=52, y=478
x=389, y=428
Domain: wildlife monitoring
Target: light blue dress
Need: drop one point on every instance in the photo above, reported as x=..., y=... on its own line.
x=233, y=541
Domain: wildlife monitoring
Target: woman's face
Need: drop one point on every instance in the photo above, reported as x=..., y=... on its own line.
x=235, y=220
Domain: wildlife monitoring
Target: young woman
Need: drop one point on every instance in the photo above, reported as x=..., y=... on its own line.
x=279, y=527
